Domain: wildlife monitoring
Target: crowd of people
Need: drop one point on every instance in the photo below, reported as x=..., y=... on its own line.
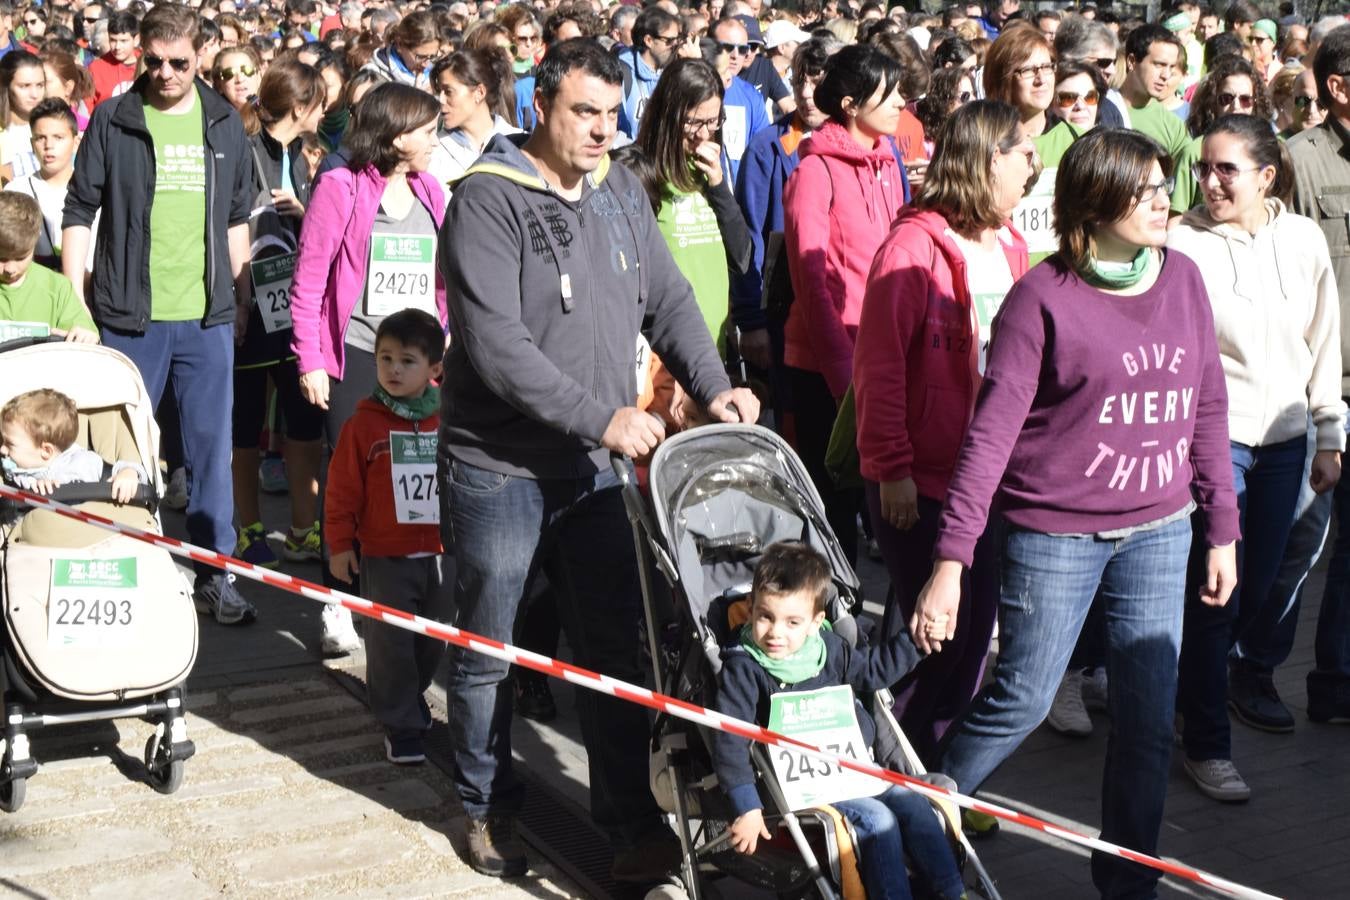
x=1069, y=282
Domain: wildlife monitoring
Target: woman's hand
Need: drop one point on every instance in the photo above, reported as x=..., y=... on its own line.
x=708, y=159
x=934, y=619
x=1220, y=575
x=287, y=203
x=747, y=830
x=1326, y=471
x=314, y=386
x=900, y=503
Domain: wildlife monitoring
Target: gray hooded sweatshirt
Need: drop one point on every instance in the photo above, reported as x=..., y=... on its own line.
x=546, y=299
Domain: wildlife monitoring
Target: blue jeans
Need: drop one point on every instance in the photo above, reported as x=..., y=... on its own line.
x=1267, y=483
x=1048, y=585
x=891, y=826
x=200, y=361
x=504, y=529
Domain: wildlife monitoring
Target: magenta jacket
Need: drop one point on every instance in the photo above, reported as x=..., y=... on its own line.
x=330, y=272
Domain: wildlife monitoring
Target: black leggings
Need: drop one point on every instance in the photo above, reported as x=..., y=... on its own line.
x=815, y=412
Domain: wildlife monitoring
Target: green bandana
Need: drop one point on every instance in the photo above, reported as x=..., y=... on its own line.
x=805, y=663
x=1113, y=279
x=414, y=409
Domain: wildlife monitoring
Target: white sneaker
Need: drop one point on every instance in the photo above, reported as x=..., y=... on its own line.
x=176, y=492
x=1067, y=713
x=1218, y=779
x=339, y=634
x=1094, y=689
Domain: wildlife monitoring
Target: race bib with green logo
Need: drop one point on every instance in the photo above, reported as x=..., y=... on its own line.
x=827, y=719
x=92, y=603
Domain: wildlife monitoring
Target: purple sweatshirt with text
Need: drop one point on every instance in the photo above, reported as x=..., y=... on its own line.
x=1097, y=412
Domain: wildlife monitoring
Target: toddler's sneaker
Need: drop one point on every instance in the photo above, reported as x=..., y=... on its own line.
x=216, y=596
x=303, y=547
x=253, y=547
x=272, y=475
x=176, y=491
x=338, y=636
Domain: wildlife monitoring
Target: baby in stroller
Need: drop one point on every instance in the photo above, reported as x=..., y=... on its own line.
x=784, y=646
x=41, y=451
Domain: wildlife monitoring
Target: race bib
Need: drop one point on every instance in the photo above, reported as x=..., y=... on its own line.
x=412, y=462
x=92, y=603
x=985, y=307
x=827, y=719
x=13, y=331
x=272, y=290
x=402, y=274
x=1035, y=218
x=735, y=131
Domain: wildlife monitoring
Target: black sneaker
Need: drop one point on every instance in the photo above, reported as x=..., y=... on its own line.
x=494, y=848
x=651, y=859
x=534, y=700
x=403, y=748
x=216, y=596
x=1253, y=700
x=1328, y=699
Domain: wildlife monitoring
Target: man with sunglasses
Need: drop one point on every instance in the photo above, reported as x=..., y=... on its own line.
x=114, y=71
x=168, y=168
x=742, y=105
x=657, y=36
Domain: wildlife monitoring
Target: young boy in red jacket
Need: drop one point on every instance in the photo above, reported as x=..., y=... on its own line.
x=382, y=496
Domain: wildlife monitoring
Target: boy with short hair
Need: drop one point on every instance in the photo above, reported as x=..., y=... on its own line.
x=30, y=293
x=39, y=431
x=55, y=137
x=382, y=495
x=782, y=648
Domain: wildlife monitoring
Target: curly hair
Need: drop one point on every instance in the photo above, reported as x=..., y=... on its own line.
x=1205, y=105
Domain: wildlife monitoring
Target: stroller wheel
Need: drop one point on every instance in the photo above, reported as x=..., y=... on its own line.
x=12, y=794
x=163, y=773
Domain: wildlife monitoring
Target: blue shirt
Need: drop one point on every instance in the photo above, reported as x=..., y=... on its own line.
x=743, y=107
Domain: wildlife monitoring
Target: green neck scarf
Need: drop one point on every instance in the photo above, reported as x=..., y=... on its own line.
x=1116, y=279
x=805, y=663
x=414, y=409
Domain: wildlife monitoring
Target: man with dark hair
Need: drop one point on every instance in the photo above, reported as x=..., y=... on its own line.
x=114, y=71
x=301, y=16
x=86, y=19
x=1152, y=57
x=656, y=40
x=1321, y=157
x=168, y=168
x=996, y=19
x=553, y=262
x=1240, y=16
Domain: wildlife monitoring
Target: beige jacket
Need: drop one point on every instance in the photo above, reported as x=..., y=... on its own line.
x=1277, y=317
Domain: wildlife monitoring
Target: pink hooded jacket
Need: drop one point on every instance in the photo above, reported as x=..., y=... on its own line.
x=330, y=271
x=837, y=210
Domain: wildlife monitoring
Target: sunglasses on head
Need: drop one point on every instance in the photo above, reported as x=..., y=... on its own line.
x=1244, y=101
x=742, y=49
x=1066, y=99
x=247, y=70
x=155, y=63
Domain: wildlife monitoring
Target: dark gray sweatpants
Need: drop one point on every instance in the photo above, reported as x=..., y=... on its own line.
x=400, y=664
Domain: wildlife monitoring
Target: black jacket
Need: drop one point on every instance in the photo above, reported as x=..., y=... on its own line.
x=115, y=172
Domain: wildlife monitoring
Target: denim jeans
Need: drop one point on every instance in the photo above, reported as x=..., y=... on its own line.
x=892, y=826
x=1267, y=483
x=1048, y=585
x=503, y=530
x=200, y=363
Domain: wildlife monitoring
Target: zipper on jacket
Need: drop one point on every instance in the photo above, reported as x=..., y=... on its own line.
x=209, y=152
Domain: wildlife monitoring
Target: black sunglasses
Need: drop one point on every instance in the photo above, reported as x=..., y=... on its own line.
x=155, y=63
x=742, y=49
x=1301, y=103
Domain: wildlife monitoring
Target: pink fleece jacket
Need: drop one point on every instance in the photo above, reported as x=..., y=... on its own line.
x=837, y=210
x=330, y=271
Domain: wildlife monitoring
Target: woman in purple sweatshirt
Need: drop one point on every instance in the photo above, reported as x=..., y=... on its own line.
x=1101, y=424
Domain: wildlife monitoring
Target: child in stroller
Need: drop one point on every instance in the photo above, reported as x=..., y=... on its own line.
x=784, y=647
x=41, y=452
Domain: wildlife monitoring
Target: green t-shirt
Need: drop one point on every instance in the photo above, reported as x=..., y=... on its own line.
x=689, y=226
x=1165, y=127
x=43, y=296
x=1034, y=215
x=1186, y=194
x=178, y=215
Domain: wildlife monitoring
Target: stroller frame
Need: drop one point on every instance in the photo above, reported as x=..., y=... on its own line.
x=653, y=556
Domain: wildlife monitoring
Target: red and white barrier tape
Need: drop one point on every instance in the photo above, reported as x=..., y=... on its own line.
x=616, y=688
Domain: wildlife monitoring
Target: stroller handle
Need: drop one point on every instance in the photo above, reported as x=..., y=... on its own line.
x=21, y=342
x=101, y=492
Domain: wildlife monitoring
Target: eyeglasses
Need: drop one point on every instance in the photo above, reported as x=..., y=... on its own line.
x=1226, y=172
x=31, y=22
x=964, y=96
x=1066, y=99
x=245, y=70
x=423, y=59
x=742, y=49
x=1028, y=73
x=1103, y=62
x=694, y=126
x=1302, y=104
x=670, y=40
x=155, y=63
x=527, y=39
x=90, y=20
x=1242, y=101
x=1147, y=192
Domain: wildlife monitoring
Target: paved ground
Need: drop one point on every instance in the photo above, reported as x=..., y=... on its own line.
x=290, y=797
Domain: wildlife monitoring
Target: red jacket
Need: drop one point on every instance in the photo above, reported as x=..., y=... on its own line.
x=837, y=208
x=359, y=499
x=915, y=371
x=109, y=75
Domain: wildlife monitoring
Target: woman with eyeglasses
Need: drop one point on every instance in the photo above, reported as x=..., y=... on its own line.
x=237, y=74
x=34, y=25
x=527, y=43
x=1080, y=92
x=1020, y=71
x=932, y=292
x=1100, y=425
x=950, y=89
x=414, y=44
x=1276, y=311
x=477, y=94
x=837, y=208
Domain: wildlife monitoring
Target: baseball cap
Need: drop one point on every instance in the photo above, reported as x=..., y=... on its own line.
x=754, y=35
x=782, y=32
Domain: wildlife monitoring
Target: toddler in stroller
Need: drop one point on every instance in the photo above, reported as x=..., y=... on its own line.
x=41, y=452
x=786, y=646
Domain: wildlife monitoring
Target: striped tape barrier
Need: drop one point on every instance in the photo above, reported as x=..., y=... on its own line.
x=616, y=688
